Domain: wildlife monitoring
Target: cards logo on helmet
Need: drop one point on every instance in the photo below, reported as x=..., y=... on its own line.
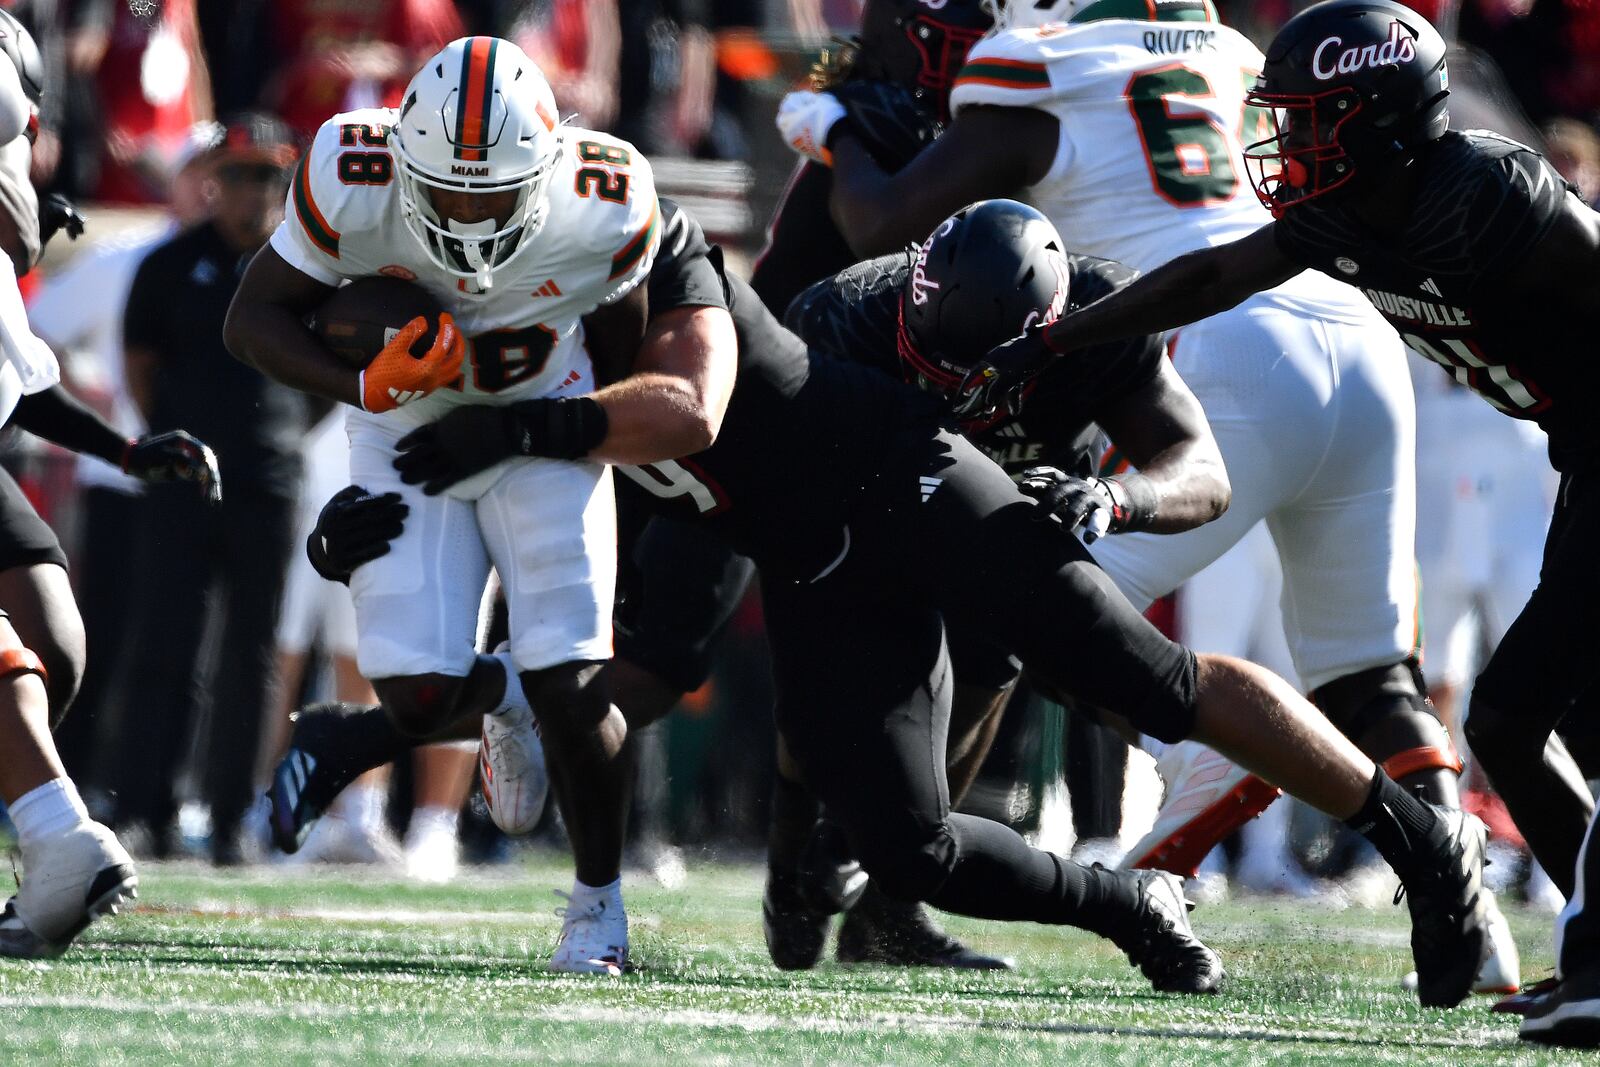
x=1398, y=48
x=920, y=282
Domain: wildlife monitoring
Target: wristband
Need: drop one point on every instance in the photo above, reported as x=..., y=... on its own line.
x=562, y=428
x=1133, y=503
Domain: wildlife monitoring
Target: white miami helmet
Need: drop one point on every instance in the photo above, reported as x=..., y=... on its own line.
x=1027, y=14
x=478, y=118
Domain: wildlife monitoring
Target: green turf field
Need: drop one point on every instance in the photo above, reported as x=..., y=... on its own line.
x=276, y=966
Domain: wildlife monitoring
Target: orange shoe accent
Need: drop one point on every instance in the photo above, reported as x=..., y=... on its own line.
x=1182, y=852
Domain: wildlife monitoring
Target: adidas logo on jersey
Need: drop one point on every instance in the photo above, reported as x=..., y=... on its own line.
x=1431, y=286
x=548, y=289
x=1011, y=429
x=929, y=486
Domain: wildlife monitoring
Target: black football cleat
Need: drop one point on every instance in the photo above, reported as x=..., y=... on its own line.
x=880, y=929
x=316, y=768
x=795, y=931
x=1159, y=940
x=1567, y=1014
x=1449, y=924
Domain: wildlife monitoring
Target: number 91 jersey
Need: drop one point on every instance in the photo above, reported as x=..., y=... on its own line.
x=1151, y=110
x=343, y=221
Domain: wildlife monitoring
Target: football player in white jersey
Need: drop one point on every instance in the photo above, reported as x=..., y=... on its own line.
x=534, y=236
x=1124, y=122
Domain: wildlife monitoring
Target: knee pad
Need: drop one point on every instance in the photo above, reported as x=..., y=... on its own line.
x=422, y=706
x=906, y=869
x=1385, y=712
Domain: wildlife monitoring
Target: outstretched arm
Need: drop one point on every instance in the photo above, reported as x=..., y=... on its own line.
x=1192, y=287
x=987, y=152
x=1564, y=266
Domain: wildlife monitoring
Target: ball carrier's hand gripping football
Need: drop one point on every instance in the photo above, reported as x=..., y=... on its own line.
x=397, y=376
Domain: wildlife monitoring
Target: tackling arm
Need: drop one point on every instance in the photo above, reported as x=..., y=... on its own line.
x=1162, y=430
x=987, y=152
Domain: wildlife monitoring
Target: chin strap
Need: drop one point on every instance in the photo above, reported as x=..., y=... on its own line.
x=1424, y=758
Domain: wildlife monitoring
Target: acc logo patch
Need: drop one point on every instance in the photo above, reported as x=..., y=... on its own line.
x=395, y=270
x=1347, y=265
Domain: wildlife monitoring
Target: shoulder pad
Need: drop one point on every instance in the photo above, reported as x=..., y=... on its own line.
x=610, y=185
x=331, y=195
x=1010, y=60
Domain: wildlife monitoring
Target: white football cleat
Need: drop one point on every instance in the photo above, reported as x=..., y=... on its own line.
x=1207, y=798
x=69, y=880
x=511, y=768
x=335, y=839
x=594, y=938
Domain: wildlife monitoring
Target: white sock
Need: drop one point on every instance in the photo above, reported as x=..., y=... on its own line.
x=584, y=895
x=432, y=819
x=1155, y=748
x=514, y=699
x=48, y=810
x=362, y=805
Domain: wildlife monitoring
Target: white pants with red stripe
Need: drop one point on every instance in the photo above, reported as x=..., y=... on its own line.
x=1307, y=392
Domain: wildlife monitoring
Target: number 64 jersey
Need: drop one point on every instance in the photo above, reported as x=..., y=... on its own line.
x=343, y=221
x=1149, y=164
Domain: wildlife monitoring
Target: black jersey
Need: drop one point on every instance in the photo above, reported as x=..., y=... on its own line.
x=803, y=244
x=803, y=434
x=1484, y=202
x=855, y=316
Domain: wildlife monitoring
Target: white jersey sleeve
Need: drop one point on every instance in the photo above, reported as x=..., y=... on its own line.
x=1151, y=117
x=331, y=194
x=618, y=180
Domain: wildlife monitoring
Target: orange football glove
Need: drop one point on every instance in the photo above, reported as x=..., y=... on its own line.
x=398, y=377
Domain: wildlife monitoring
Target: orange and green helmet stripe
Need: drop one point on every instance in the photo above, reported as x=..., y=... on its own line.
x=316, y=227
x=625, y=260
x=1005, y=74
x=474, y=99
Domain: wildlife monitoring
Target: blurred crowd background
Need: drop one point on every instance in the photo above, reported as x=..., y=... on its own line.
x=135, y=92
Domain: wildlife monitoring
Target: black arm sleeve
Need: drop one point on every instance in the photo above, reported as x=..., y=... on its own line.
x=688, y=269
x=58, y=416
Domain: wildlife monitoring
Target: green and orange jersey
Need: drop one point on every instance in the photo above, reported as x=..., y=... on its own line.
x=344, y=220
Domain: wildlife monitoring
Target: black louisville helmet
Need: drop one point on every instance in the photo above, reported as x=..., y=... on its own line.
x=921, y=45
x=989, y=272
x=17, y=43
x=1348, y=85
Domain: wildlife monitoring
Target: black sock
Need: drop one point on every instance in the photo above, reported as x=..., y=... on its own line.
x=1397, y=823
x=365, y=738
x=999, y=876
x=794, y=813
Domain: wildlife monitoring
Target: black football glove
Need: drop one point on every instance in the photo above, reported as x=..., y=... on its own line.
x=1091, y=506
x=475, y=437
x=57, y=213
x=887, y=119
x=354, y=527
x=174, y=455
x=998, y=379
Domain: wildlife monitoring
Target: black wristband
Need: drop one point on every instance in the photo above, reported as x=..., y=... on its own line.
x=568, y=427
x=1135, y=498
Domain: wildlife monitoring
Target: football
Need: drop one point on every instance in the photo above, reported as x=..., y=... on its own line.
x=360, y=318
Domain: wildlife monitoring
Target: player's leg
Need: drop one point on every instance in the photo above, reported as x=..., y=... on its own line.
x=1542, y=665
x=996, y=564
x=864, y=697
x=74, y=870
x=38, y=595
x=550, y=527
